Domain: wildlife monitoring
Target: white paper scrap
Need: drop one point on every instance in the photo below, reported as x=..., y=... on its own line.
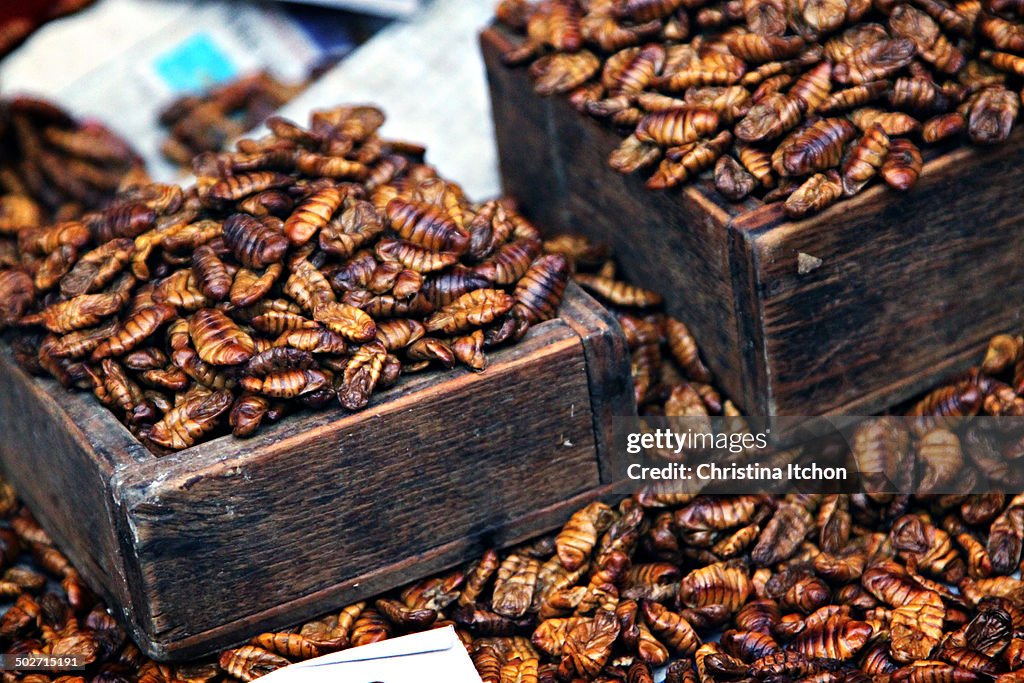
x=436, y=656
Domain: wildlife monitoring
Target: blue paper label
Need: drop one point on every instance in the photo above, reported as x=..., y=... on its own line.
x=194, y=65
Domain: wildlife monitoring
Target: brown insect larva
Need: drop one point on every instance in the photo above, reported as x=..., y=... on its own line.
x=757, y=162
x=312, y=214
x=426, y=225
x=771, y=85
x=357, y=225
x=632, y=155
x=617, y=292
x=253, y=243
x=287, y=645
x=510, y=263
x=96, y=268
x=247, y=414
x=902, y=165
x=577, y=538
x=715, y=584
x=268, y=203
x=211, y=273
x=919, y=94
x=128, y=220
x=348, y=321
x=851, y=98
x=279, y=322
x=1003, y=62
x=765, y=18
x=399, y=333
x=677, y=126
x=478, y=577
x=715, y=68
x=189, y=421
x=218, y=340
x=307, y=286
x=16, y=294
x=632, y=70
x=941, y=457
x=769, y=118
x=839, y=638
x=286, y=383
x=18, y=212
x=474, y=309
x=686, y=161
x=874, y=61
x=589, y=644
x=540, y=289
x=893, y=123
x=249, y=286
x=729, y=102
x=561, y=72
x=755, y=48
x=815, y=194
x=646, y=10
x=817, y=147
x=469, y=350
x=813, y=87
x=237, y=187
x=823, y=16
x=514, y=585
x=992, y=115
x=1003, y=350
x=78, y=313
x=361, y=374
x=249, y=662
x=943, y=126
x=43, y=240
x=732, y=180
x=320, y=166
x=1006, y=538
x=1004, y=35
x=865, y=159
x=134, y=330
x=671, y=628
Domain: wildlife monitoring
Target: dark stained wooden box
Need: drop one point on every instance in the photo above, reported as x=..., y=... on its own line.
x=208, y=546
x=909, y=289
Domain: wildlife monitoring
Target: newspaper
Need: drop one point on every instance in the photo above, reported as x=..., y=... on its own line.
x=384, y=8
x=122, y=61
x=427, y=74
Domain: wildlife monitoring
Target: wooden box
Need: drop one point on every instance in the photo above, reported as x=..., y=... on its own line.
x=206, y=547
x=909, y=287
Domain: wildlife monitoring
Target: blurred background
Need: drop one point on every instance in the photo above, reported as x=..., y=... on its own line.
x=176, y=77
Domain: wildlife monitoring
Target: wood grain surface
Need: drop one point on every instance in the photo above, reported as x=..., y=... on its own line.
x=910, y=288
x=204, y=547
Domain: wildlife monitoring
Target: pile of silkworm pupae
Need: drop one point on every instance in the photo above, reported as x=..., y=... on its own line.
x=208, y=121
x=802, y=587
x=55, y=167
x=800, y=101
x=309, y=267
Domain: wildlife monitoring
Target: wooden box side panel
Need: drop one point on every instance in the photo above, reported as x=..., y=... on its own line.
x=910, y=288
x=531, y=172
x=554, y=162
x=481, y=458
x=61, y=474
